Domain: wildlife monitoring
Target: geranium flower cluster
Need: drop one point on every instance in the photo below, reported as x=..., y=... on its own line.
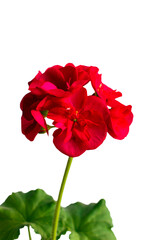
x=81, y=121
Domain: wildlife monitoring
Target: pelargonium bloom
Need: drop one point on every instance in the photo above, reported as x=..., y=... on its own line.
x=82, y=123
x=57, y=80
x=121, y=116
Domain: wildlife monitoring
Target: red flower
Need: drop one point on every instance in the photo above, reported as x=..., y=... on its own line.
x=55, y=81
x=82, y=122
x=32, y=120
x=58, y=80
x=120, y=115
x=103, y=91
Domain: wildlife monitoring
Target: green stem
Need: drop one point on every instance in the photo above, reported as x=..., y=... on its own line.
x=58, y=204
x=29, y=233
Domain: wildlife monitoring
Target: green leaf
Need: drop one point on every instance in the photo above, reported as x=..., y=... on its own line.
x=34, y=209
x=89, y=222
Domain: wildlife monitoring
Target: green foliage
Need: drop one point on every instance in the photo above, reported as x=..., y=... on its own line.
x=89, y=222
x=36, y=209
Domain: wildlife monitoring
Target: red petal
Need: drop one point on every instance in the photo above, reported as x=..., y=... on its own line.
x=39, y=118
x=58, y=93
x=73, y=148
x=30, y=128
x=95, y=104
x=78, y=98
x=49, y=102
x=69, y=130
x=29, y=102
x=47, y=82
x=48, y=86
x=103, y=91
x=97, y=134
x=70, y=74
x=58, y=114
x=54, y=75
x=35, y=84
x=95, y=78
x=85, y=74
x=121, y=119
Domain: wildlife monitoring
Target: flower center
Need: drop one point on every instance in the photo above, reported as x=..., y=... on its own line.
x=75, y=116
x=72, y=114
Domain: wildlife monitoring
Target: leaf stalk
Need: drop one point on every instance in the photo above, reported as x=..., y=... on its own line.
x=29, y=233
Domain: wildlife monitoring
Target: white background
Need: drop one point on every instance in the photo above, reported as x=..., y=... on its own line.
x=120, y=37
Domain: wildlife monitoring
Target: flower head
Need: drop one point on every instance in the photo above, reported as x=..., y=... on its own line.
x=82, y=121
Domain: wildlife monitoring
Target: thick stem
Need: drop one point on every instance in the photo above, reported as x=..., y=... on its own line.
x=58, y=204
x=29, y=233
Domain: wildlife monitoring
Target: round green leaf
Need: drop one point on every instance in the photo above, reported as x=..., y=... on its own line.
x=89, y=222
x=34, y=209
